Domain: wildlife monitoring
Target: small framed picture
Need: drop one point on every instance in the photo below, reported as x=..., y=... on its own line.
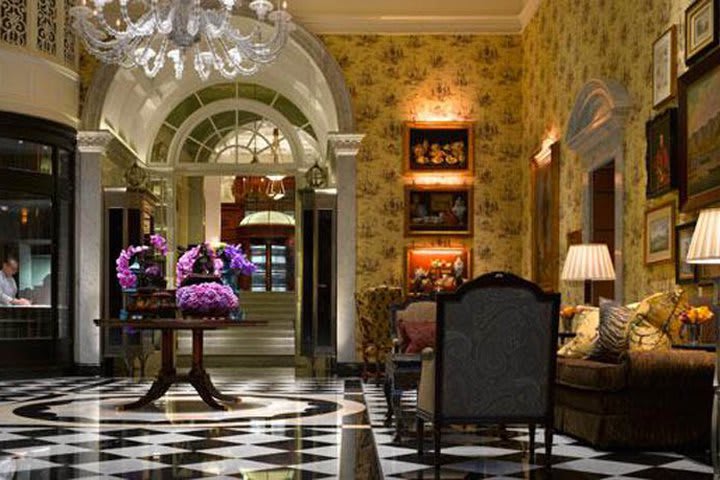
x=436, y=147
x=438, y=210
x=684, y=272
x=660, y=234
x=436, y=269
x=665, y=67
x=701, y=29
x=661, y=153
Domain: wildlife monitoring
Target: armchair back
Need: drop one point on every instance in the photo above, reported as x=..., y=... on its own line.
x=412, y=322
x=496, y=344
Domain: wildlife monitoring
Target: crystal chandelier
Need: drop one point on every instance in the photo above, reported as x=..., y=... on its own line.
x=145, y=33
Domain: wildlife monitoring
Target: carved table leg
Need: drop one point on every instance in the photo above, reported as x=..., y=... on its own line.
x=166, y=377
x=199, y=378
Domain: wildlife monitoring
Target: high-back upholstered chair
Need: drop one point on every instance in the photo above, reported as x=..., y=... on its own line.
x=494, y=361
x=373, y=317
x=412, y=329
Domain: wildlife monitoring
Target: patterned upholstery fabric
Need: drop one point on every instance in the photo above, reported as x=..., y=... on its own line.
x=585, y=326
x=612, y=342
x=416, y=335
x=662, y=310
x=373, y=320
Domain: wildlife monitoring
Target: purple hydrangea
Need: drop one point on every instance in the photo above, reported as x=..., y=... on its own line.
x=186, y=263
x=206, y=298
x=125, y=275
x=236, y=260
x=159, y=244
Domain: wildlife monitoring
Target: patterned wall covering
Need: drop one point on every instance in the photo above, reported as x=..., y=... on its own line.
x=568, y=43
x=69, y=40
x=394, y=79
x=13, y=22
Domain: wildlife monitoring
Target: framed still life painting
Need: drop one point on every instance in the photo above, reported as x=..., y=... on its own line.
x=660, y=234
x=438, y=210
x=701, y=29
x=661, y=153
x=437, y=147
x=684, y=272
x=436, y=269
x=699, y=138
x=665, y=67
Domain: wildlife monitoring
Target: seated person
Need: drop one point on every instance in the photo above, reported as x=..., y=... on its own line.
x=8, y=287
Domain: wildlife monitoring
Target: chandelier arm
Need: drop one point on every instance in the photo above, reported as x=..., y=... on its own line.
x=260, y=52
x=146, y=24
x=236, y=61
x=199, y=64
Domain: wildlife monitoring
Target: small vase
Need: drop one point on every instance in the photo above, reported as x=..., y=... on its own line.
x=691, y=333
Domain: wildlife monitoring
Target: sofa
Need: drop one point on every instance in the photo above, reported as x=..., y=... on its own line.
x=655, y=399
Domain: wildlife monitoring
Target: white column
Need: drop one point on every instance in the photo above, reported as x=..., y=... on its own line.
x=88, y=245
x=213, y=200
x=344, y=148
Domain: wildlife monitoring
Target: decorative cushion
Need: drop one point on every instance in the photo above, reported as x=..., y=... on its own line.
x=662, y=310
x=417, y=335
x=612, y=342
x=646, y=337
x=585, y=325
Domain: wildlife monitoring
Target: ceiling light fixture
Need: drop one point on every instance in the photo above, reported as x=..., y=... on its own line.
x=177, y=29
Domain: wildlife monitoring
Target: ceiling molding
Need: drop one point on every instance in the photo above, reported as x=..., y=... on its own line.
x=416, y=24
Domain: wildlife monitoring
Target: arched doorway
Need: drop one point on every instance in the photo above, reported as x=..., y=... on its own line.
x=303, y=95
x=596, y=132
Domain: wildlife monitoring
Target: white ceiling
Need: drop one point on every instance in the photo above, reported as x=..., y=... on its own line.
x=413, y=16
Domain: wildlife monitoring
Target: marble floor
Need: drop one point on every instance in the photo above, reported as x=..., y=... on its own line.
x=284, y=428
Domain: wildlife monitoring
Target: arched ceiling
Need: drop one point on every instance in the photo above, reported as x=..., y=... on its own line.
x=135, y=107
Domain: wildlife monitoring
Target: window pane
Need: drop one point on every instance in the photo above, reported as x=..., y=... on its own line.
x=29, y=156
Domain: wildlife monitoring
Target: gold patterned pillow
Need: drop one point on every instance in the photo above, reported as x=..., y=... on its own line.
x=662, y=311
x=585, y=324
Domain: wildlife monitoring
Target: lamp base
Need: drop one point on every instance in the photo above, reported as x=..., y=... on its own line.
x=588, y=292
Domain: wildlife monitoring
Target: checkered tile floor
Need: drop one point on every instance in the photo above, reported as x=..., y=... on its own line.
x=256, y=450
x=483, y=454
x=358, y=446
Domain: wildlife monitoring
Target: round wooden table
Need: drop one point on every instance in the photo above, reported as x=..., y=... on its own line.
x=197, y=376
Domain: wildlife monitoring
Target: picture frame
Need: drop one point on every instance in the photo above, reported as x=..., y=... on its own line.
x=661, y=153
x=430, y=269
x=438, y=210
x=660, y=234
x=701, y=29
x=665, y=67
x=699, y=134
x=439, y=147
x=684, y=272
x=706, y=274
x=545, y=226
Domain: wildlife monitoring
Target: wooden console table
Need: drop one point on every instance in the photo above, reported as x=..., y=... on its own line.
x=197, y=376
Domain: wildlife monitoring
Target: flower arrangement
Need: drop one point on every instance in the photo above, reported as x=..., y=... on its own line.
x=141, y=265
x=204, y=259
x=206, y=299
x=696, y=315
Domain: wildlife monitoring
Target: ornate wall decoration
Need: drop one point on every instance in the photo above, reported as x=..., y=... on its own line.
x=70, y=40
x=47, y=26
x=13, y=22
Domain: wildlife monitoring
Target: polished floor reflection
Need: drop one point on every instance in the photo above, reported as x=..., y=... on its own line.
x=285, y=428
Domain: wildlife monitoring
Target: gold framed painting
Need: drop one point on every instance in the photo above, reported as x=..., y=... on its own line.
x=665, y=67
x=660, y=234
x=439, y=147
x=684, y=272
x=439, y=210
x=429, y=270
x=701, y=29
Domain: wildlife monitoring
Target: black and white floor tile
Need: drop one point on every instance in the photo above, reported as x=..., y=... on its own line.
x=484, y=454
x=285, y=428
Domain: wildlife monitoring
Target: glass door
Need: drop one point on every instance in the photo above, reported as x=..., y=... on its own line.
x=270, y=257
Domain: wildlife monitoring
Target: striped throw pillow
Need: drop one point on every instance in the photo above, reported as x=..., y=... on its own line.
x=612, y=342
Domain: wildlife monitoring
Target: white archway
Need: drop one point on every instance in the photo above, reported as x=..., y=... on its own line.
x=596, y=132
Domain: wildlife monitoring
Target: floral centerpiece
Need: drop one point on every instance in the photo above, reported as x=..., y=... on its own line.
x=141, y=266
x=692, y=318
x=199, y=273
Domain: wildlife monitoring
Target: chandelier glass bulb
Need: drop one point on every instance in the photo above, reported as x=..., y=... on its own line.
x=147, y=33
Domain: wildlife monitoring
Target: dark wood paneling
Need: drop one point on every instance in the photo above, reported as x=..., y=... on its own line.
x=603, y=221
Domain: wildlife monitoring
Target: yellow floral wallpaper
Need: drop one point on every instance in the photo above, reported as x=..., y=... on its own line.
x=394, y=79
x=568, y=43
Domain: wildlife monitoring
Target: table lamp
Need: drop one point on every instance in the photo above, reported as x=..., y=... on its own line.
x=588, y=262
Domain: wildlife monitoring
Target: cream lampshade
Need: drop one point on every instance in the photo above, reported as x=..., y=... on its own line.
x=705, y=244
x=588, y=262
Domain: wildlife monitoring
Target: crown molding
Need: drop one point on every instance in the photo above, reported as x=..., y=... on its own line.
x=413, y=24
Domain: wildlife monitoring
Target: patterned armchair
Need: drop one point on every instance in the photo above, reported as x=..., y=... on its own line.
x=495, y=358
x=373, y=318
